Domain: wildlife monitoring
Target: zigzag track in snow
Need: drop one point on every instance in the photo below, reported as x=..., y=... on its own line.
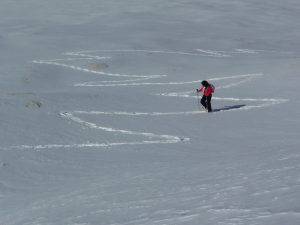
x=122, y=83
x=138, y=80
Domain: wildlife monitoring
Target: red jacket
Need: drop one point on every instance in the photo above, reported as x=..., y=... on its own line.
x=207, y=91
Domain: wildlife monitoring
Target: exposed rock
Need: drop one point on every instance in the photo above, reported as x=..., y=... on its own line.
x=98, y=66
x=34, y=104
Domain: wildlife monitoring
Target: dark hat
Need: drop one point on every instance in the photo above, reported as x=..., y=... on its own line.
x=205, y=83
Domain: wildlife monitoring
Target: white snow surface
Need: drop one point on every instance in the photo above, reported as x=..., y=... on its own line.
x=100, y=123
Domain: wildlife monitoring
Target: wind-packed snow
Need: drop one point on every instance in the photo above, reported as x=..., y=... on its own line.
x=100, y=123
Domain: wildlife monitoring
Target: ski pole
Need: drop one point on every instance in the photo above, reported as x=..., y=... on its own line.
x=198, y=100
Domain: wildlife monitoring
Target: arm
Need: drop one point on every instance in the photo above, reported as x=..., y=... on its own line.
x=200, y=89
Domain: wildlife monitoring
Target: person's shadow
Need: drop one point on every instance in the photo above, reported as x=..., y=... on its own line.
x=225, y=108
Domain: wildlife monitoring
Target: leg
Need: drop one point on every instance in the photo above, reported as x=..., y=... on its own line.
x=203, y=101
x=208, y=103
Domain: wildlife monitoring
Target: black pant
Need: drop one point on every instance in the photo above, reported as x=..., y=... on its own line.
x=205, y=101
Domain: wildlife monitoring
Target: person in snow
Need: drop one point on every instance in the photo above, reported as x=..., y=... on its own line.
x=207, y=89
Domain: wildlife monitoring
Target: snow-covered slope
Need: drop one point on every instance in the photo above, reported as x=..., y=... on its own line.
x=100, y=122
